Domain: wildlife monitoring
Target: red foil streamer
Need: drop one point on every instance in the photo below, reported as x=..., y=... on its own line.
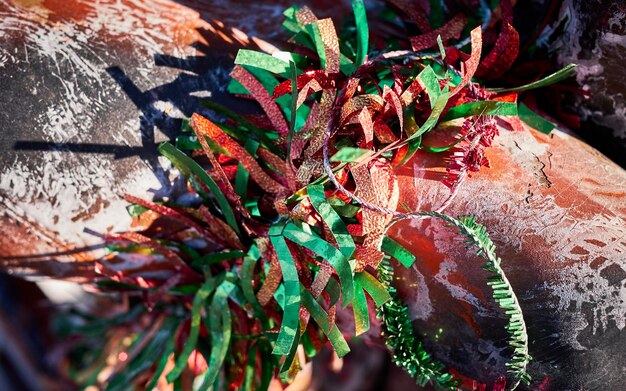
x=204, y=127
x=169, y=212
x=470, y=66
x=452, y=29
x=411, y=92
x=321, y=280
x=273, y=277
x=365, y=119
x=222, y=176
x=220, y=229
x=374, y=103
x=393, y=103
x=259, y=93
x=383, y=133
x=323, y=117
x=502, y=55
x=188, y=274
x=367, y=256
x=415, y=12
x=506, y=48
x=323, y=78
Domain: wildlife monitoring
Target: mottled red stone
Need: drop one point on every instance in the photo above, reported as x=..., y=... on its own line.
x=556, y=209
x=554, y=206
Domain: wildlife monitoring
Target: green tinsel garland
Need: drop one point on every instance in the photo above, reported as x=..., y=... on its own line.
x=407, y=352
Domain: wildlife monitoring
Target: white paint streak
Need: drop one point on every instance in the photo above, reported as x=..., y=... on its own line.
x=63, y=189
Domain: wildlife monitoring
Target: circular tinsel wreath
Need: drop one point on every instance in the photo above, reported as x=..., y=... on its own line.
x=290, y=208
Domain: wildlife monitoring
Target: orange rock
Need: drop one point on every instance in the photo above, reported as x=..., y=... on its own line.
x=556, y=209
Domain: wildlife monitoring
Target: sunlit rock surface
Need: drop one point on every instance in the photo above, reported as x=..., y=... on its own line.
x=595, y=38
x=556, y=210
x=90, y=89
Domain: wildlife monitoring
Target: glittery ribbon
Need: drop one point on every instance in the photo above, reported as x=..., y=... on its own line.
x=169, y=212
x=264, y=99
x=224, y=179
x=374, y=103
x=272, y=278
x=414, y=11
x=470, y=66
x=175, y=260
x=323, y=78
x=204, y=127
x=506, y=48
x=452, y=29
x=219, y=228
x=393, y=103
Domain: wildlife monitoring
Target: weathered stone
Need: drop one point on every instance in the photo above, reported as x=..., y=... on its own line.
x=595, y=38
x=90, y=88
x=556, y=210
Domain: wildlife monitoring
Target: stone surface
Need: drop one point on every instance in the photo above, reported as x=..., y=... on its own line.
x=90, y=88
x=595, y=38
x=556, y=209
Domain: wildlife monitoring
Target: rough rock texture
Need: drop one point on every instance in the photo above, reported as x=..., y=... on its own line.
x=556, y=210
x=595, y=38
x=90, y=88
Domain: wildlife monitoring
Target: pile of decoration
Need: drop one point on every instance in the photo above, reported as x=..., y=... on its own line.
x=284, y=219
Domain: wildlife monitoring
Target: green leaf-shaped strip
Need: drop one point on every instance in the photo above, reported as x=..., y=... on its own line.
x=327, y=252
x=433, y=118
x=291, y=355
x=362, y=31
x=291, y=313
x=291, y=24
x=189, y=166
x=365, y=282
x=212, y=258
x=267, y=364
x=373, y=287
x=293, y=114
x=412, y=147
x=247, y=276
x=534, y=120
x=486, y=107
x=332, y=219
x=396, y=250
x=163, y=360
x=196, y=316
x=351, y=155
x=153, y=347
x=360, y=311
x=334, y=291
x=321, y=318
x=431, y=82
x=264, y=61
x=242, y=177
x=219, y=323
x=249, y=372
x=315, y=35
x=568, y=71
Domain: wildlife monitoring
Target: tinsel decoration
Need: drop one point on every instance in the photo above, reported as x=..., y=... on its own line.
x=476, y=236
x=407, y=351
x=286, y=212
